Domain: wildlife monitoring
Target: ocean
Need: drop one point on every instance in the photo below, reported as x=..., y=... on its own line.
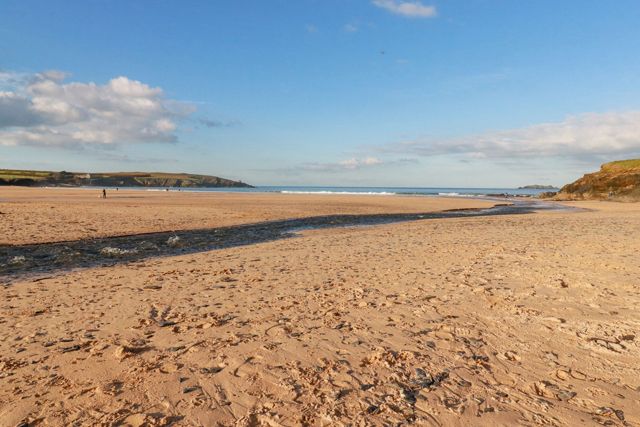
x=379, y=191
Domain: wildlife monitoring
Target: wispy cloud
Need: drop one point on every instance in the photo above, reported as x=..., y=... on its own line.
x=350, y=28
x=411, y=9
x=212, y=123
x=107, y=156
x=585, y=136
x=42, y=110
x=347, y=165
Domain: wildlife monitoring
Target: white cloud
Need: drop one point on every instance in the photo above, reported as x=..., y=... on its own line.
x=213, y=123
x=412, y=9
x=15, y=110
x=343, y=165
x=42, y=110
x=585, y=136
x=354, y=163
x=347, y=165
x=54, y=75
x=350, y=28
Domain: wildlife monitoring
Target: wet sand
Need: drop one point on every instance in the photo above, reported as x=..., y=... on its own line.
x=36, y=215
x=528, y=320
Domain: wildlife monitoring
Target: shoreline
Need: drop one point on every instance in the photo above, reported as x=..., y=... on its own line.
x=322, y=190
x=42, y=215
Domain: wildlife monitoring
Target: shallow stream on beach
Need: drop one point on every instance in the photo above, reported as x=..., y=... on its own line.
x=20, y=261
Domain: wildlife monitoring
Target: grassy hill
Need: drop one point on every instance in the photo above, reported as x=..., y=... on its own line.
x=117, y=179
x=618, y=180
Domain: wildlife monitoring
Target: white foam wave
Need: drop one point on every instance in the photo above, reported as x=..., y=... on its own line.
x=459, y=195
x=354, y=193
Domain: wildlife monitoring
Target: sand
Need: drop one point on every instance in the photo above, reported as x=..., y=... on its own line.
x=33, y=215
x=528, y=320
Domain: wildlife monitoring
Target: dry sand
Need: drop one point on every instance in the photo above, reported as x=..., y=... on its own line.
x=528, y=320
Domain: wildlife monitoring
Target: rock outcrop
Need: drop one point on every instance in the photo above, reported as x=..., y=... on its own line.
x=618, y=181
x=538, y=187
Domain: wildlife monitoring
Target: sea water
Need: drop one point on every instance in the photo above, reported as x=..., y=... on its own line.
x=378, y=191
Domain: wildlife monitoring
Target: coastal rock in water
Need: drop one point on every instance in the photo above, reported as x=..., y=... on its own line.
x=538, y=187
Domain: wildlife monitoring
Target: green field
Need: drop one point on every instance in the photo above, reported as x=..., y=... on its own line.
x=622, y=164
x=115, y=179
x=23, y=174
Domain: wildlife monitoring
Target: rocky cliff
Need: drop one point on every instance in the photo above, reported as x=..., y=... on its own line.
x=618, y=180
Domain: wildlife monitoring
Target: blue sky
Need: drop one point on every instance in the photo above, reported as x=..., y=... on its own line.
x=325, y=92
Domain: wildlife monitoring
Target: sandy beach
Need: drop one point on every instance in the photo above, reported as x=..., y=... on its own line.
x=513, y=320
x=31, y=215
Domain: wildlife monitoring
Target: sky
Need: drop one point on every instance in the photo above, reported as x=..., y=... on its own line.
x=443, y=93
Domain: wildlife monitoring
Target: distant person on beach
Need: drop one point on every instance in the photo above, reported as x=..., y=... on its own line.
x=104, y=193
